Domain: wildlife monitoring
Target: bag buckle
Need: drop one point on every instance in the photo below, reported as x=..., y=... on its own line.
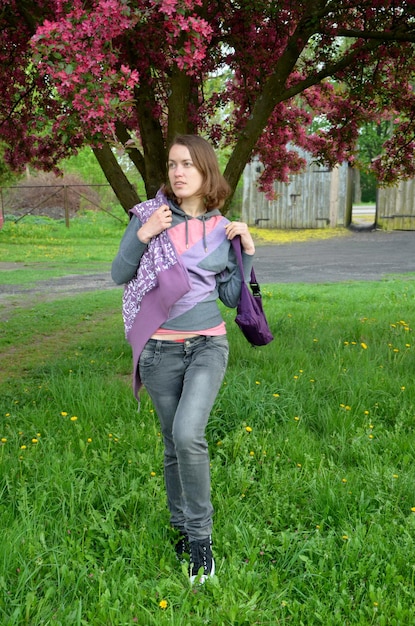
x=256, y=292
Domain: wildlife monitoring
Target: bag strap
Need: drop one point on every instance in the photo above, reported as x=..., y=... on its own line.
x=253, y=283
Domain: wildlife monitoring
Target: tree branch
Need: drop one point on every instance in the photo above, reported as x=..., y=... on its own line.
x=386, y=36
x=123, y=189
x=133, y=152
x=275, y=92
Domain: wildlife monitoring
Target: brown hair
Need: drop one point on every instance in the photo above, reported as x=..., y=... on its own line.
x=215, y=188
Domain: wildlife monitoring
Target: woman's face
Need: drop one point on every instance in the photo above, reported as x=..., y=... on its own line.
x=185, y=179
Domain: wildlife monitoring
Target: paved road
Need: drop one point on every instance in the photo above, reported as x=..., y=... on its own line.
x=362, y=255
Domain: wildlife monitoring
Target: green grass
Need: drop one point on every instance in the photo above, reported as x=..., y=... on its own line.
x=312, y=450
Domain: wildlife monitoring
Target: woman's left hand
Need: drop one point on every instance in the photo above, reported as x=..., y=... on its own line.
x=233, y=229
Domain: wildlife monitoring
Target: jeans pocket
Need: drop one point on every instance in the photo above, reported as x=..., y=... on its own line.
x=149, y=357
x=221, y=346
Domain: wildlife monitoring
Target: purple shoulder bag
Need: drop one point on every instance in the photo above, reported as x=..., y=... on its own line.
x=250, y=314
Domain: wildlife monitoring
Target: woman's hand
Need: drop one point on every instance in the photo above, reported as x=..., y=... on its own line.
x=233, y=229
x=157, y=222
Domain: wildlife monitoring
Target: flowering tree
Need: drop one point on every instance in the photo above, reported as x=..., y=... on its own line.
x=250, y=76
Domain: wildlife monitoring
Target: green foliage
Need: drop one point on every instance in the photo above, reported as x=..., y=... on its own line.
x=371, y=139
x=84, y=164
x=311, y=461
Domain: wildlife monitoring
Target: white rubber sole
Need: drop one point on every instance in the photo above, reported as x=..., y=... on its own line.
x=200, y=580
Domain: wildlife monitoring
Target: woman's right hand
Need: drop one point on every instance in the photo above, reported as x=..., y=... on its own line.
x=157, y=222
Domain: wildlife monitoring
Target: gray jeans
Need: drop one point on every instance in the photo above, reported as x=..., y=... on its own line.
x=183, y=380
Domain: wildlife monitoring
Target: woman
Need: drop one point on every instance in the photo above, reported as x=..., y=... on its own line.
x=176, y=260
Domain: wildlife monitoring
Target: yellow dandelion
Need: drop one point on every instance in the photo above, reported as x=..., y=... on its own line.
x=370, y=436
x=345, y=537
x=3, y=439
x=219, y=443
x=257, y=382
x=403, y=388
x=248, y=429
x=395, y=476
x=366, y=412
x=315, y=340
x=296, y=418
x=74, y=418
x=89, y=440
x=413, y=509
x=34, y=440
x=344, y=480
x=407, y=345
x=64, y=413
x=163, y=604
x=276, y=395
x=364, y=346
x=295, y=377
x=23, y=447
x=152, y=473
x=371, y=426
x=299, y=465
x=7, y=414
x=396, y=349
x=252, y=453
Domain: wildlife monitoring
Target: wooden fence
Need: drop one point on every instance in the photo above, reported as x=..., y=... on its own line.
x=318, y=198
x=322, y=198
x=396, y=206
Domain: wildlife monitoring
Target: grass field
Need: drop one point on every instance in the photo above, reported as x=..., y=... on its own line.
x=312, y=459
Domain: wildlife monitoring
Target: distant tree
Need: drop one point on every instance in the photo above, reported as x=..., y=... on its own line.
x=6, y=174
x=372, y=136
x=133, y=73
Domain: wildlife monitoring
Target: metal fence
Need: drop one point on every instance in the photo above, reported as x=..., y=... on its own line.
x=57, y=201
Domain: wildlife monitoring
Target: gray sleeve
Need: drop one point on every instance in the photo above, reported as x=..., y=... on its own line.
x=229, y=285
x=131, y=249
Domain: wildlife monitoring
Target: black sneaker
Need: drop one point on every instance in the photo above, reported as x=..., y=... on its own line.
x=182, y=547
x=202, y=564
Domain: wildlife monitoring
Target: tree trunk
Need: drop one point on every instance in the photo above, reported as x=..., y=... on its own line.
x=123, y=189
x=178, y=104
x=154, y=149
